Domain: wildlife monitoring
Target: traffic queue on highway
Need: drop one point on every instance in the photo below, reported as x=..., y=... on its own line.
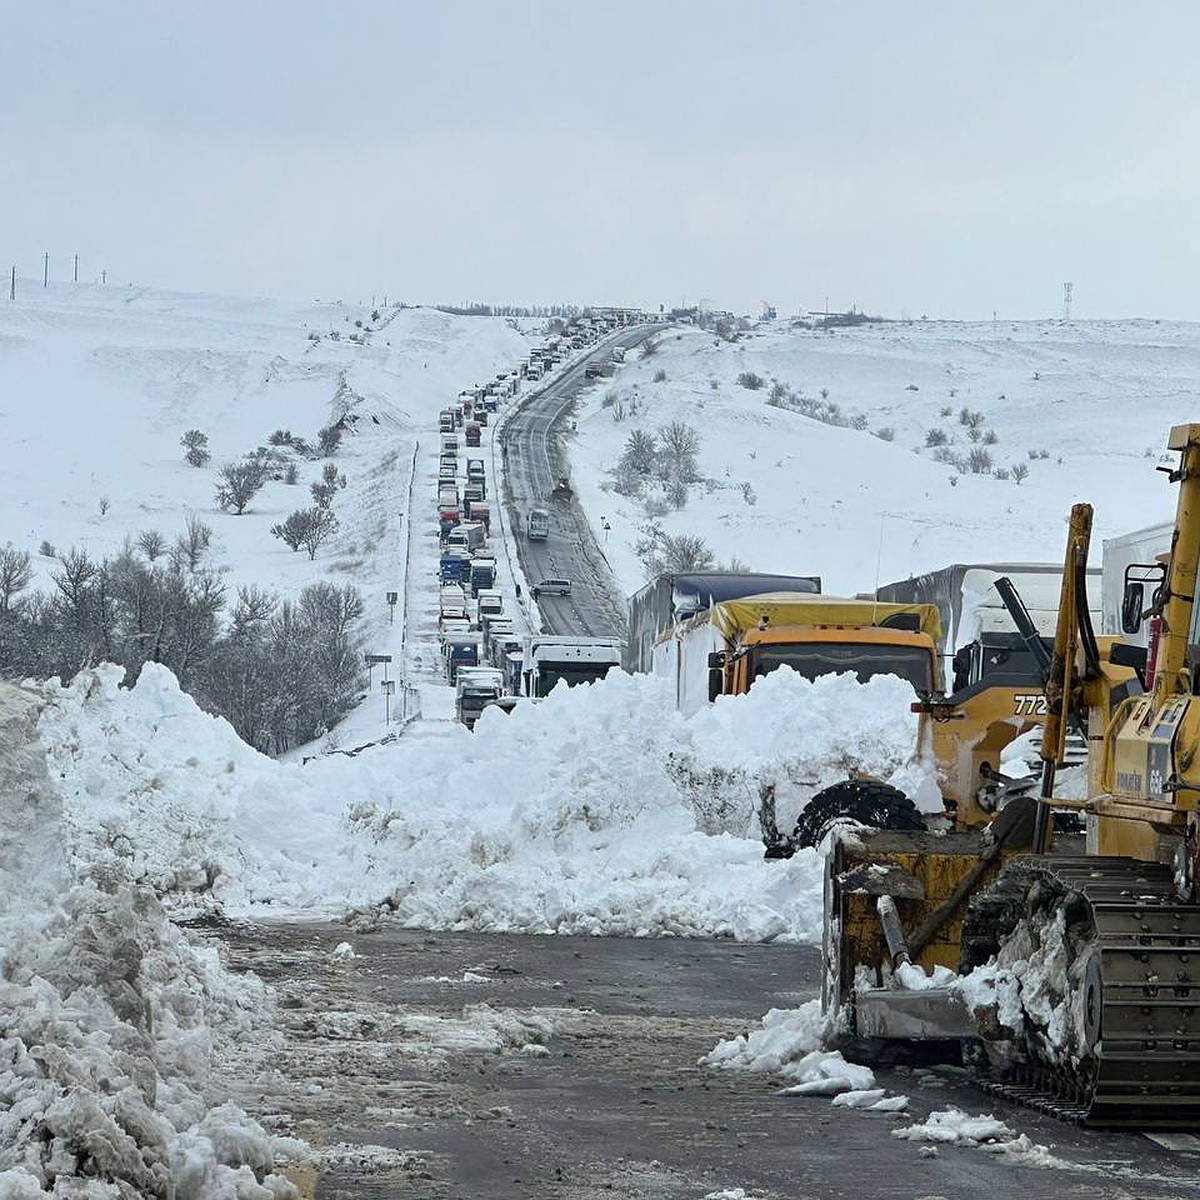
x=486, y=655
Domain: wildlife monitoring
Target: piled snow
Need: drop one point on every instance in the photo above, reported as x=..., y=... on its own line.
x=789, y=1043
x=841, y=735
x=913, y=977
x=111, y=1025
x=826, y=1073
x=954, y=1127
x=871, y=1100
x=575, y=815
x=783, y=1037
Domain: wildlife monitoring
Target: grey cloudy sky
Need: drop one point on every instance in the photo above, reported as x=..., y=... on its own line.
x=942, y=158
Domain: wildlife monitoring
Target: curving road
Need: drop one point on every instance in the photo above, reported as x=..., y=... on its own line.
x=534, y=458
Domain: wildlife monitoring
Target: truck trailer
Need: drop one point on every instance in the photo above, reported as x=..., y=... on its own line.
x=573, y=660
x=670, y=600
x=537, y=525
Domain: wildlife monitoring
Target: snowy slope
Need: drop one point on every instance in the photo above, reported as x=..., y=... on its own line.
x=1097, y=398
x=99, y=384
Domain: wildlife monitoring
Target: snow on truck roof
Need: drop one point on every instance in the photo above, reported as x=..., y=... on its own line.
x=802, y=608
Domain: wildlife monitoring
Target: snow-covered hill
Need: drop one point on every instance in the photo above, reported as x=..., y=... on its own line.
x=98, y=385
x=1084, y=408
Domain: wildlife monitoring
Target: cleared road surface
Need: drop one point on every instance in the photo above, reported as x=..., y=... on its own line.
x=533, y=461
x=596, y=1091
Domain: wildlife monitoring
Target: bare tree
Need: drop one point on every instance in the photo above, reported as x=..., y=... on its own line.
x=641, y=449
x=195, y=445
x=324, y=491
x=686, y=552
x=191, y=545
x=680, y=444
x=294, y=530
x=74, y=578
x=152, y=544
x=16, y=574
x=238, y=484
x=253, y=610
x=328, y=439
x=321, y=526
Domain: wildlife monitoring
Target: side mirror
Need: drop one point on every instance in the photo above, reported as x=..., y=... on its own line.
x=716, y=675
x=1131, y=606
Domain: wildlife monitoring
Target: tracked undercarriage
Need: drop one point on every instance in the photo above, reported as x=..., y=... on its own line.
x=1111, y=1011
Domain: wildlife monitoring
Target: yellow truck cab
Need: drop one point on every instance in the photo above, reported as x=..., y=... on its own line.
x=821, y=635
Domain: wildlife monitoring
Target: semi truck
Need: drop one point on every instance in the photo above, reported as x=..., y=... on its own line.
x=974, y=618
x=459, y=650
x=483, y=574
x=473, y=688
x=474, y=433
x=537, y=525
x=573, y=660
x=481, y=512
x=724, y=649
x=672, y=599
x=454, y=566
x=469, y=536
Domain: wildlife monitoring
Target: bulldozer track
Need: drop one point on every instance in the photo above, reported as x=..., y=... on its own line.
x=1141, y=998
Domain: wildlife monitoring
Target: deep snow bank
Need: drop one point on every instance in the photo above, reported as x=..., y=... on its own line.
x=111, y=1025
x=586, y=813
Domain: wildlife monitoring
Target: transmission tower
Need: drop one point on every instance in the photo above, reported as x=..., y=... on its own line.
x=1068, y=288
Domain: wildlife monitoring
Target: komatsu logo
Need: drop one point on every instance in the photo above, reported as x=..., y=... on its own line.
x=1129, y=781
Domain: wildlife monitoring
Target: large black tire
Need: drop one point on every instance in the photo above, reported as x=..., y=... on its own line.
x=868, y=802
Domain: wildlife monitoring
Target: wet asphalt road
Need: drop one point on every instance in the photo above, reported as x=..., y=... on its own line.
x=379, y=1070
x=533, y=454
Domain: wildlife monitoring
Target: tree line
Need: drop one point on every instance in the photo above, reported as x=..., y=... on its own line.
x=281, y=671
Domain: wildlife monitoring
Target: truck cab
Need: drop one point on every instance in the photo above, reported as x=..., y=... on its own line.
x=537, y=525
x=571, y=660
x=831, y=650
x=474, y=687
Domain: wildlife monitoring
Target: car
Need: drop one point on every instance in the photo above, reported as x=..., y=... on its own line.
x=551, y=587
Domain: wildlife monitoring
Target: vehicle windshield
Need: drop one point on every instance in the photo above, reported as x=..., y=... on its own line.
x=550, y=673
x=812, y=659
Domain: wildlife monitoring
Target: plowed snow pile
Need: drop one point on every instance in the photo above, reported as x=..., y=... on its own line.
x=111, y=1025
x=586, y=813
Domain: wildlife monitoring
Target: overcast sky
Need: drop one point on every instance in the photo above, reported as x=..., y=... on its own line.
x=941, y=158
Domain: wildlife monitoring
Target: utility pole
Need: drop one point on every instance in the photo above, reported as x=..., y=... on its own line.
x=103, y=276
x=77, y=268
x=1068, y=289
x=46, y=268
x=12, y=287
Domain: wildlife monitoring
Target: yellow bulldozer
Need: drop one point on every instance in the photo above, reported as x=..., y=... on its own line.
x=1073, y=958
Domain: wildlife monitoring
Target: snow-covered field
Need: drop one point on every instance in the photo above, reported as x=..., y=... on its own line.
x=598, y=811
x=784, y=492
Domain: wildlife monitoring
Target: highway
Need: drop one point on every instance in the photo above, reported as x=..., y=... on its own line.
x=534, y=458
